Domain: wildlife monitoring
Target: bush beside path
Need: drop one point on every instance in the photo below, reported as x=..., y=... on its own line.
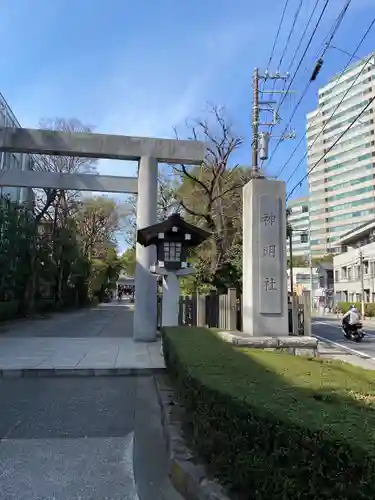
x=271, y=425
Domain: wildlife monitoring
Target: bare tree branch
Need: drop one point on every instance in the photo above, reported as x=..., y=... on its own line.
x=212, y=192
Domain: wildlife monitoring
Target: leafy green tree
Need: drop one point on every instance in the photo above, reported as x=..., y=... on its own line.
x=128, y=261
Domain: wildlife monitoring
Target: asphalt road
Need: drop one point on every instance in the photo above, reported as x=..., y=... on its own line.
x=361, y=354
x=89, y=438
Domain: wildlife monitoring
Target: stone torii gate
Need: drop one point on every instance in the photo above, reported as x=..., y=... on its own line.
x=147, y=151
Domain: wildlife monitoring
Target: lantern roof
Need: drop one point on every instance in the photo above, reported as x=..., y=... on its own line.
x=150, y=235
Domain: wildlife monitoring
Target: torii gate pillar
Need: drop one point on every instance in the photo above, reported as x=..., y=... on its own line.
x=148, y=151
x=145, y=303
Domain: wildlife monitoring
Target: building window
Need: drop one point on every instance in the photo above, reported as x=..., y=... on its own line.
x=305, y=209
x=365, y=266
x=352, y=193
x=344, y=273
x=349, y=273
x=304, y=238
x=337, y=275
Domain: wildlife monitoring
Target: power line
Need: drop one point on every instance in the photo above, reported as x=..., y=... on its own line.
x=299, y=44
x=303, y=35
x=326, y=44
x=331, y=147
x=330, y=35
x=296, y=71
x=343, y=51
x=291, y=30
x=277, y=33
x=330, y=118
x=338, y=23
x=337, y=106
x=273, y=50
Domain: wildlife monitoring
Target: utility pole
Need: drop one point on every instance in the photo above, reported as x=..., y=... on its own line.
x=293, y=299
x=255, y=124
x=260, y=140
x=361, y=272
x=311, y=282
x=311, y=271
x=290, y=239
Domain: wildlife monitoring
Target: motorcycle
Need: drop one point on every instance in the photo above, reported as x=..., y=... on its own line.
x=355, y=333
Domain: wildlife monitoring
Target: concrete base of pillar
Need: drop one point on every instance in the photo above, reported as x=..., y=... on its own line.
x=264, y=302
x=145, y=301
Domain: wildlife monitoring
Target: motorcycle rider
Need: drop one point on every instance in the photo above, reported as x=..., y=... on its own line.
x=351, y=319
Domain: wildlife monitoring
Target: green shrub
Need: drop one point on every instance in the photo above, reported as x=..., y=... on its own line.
x=369, y=307
x=275, y=426
x=345, y=306
x=9, y=310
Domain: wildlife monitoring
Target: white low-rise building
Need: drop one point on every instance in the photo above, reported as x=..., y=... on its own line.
x=321, y=279
x=302, y=279
x=354, y=267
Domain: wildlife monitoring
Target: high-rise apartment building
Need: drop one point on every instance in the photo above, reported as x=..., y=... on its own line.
x=16, y=161
x=298, y=218
x=342, y=185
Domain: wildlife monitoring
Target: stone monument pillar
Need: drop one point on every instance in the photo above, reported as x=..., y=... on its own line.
x=265, y=298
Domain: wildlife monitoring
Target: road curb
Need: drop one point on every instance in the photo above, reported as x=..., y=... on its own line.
x=79, y=372
x=187, y=476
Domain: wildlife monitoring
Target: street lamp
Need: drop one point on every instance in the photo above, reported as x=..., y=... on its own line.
x=173, y=238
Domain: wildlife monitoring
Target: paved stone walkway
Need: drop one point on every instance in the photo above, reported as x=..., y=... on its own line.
x=97, y=338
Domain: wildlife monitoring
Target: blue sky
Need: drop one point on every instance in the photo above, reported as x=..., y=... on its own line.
x=140, y=67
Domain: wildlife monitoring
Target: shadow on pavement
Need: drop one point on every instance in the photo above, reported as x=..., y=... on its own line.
x=105, y=320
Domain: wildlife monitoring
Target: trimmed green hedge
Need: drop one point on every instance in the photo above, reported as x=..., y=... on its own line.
x=369, y=307
x=275, y=426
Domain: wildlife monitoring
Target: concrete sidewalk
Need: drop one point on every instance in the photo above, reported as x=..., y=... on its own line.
x=97, y=341
x=114, y=354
